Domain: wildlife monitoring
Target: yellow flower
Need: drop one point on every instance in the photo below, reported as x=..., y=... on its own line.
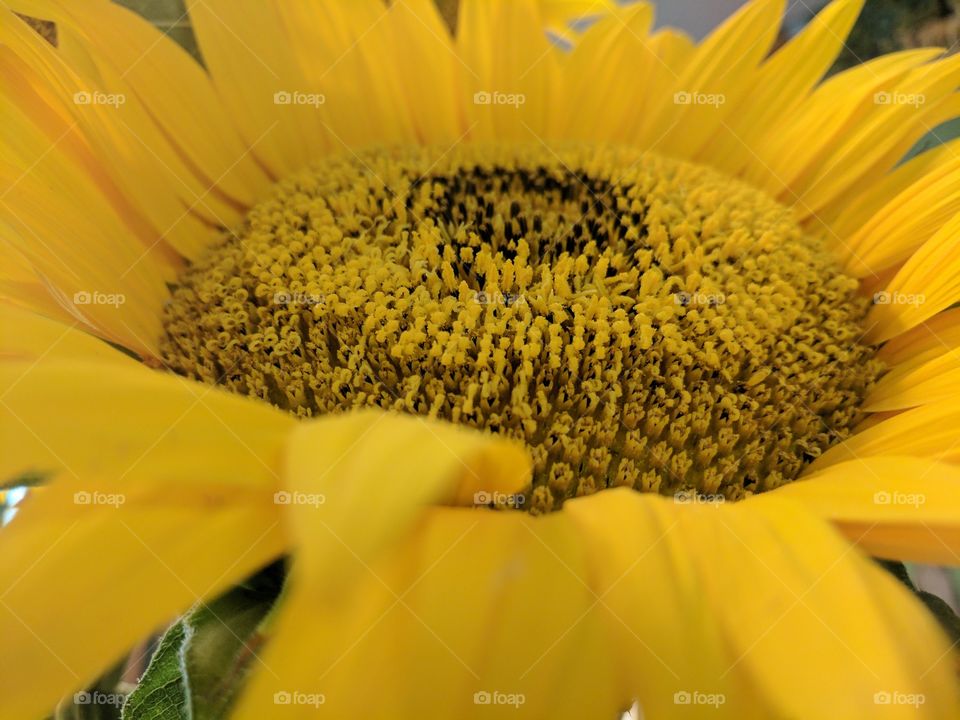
x=458, y=273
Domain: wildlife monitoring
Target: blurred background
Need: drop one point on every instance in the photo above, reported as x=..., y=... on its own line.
x=884, y=26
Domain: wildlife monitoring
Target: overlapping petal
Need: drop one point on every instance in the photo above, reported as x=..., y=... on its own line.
x=559, y=617
x=193, y=512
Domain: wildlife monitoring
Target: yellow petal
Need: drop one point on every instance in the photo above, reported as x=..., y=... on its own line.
x=860, y=210
x=928, y=432
x=715, y=80
x=906, y=387
x=670, y=51
x=121, y=564
x=649, y=66
x=762, y=592
x=174, y=89
x=876, y=500
x=357, y=485
x=252, y=63
x=781, y=84
x=926, y=284
x=69, y=231
x=926, y=341
x=119, y=141
x=427, y=67
x=24, y=335
x=21, y=285
x=876, y=283
x=50, y=116
x=559, y=15
x=905, y=223
x=510, y=72
x=575, y=614
x=95, y=420
x=615, y=53
x=375, y=471
x=901, y=115
x=805, y=141
x=396, y=62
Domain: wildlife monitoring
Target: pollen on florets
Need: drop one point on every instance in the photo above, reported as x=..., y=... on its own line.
x=635, y=321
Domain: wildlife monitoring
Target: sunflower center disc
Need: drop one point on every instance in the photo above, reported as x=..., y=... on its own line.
x=635, y=321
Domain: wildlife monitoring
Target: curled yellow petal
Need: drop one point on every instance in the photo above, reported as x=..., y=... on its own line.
x=476, y=608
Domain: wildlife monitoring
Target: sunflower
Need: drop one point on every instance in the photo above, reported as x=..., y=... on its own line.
x=567, y=364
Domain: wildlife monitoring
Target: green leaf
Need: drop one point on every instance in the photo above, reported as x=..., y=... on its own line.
x=168, y=16
x=886, y=26
x=160, y=694
x=899, y=571
x=220, y=649
x=943, y=613
x=27, y=479
x=204, y=658
x=944, y=132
